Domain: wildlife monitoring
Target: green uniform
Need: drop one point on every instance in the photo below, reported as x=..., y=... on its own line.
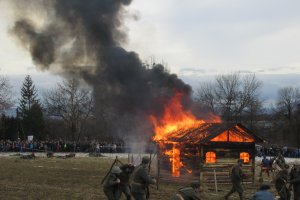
x=295, y=181
x=124, y=177
x=236, y=177
x=111, y=187
x=140, y=182
x=186, y=193
x=280, y=185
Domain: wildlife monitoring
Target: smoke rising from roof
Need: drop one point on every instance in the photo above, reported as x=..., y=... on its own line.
x=83, y=39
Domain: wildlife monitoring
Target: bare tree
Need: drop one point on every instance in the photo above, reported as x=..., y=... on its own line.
x=71, y=102
x=5, y=94
x=231, y=96
x=288, y=100
x=248, y=98
x=206, y=95
x=285, y=116
x=227, y=91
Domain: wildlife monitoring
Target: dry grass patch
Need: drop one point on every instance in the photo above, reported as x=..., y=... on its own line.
x=75, y=178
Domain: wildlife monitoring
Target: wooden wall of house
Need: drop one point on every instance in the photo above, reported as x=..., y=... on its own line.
x=227, y=156
x=189, y=156
x=193, y=156
x=221, y=170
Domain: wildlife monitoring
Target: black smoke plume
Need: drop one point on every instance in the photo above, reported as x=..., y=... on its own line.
x=84, y=39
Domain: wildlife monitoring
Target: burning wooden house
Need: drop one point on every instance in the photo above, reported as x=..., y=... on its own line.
x=208, y=152
x=190, y=148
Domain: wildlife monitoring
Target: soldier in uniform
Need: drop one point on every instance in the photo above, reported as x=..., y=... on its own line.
x=111, y=185
x=280, y=180
x=295, y=181
x=188, y=193
x=127, y=170
x=236, y=177
x=141, y=180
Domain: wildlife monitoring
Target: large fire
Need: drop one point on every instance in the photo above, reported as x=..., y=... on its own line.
x=175, y=120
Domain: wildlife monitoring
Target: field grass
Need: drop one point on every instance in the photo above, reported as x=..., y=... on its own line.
x=75, y=178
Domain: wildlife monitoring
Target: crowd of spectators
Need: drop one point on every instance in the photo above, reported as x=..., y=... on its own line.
x=272, y=150
x=117, y=146
x=62, y=146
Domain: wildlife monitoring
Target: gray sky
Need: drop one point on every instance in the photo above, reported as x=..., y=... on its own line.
x=215, y=36
x=197, y=39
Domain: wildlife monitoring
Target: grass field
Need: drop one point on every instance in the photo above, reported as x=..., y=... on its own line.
x=75, y=178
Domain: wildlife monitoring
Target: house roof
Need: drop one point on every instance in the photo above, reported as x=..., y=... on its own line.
x=206, y=132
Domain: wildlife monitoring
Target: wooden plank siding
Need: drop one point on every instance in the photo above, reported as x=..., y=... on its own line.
x=222, y=169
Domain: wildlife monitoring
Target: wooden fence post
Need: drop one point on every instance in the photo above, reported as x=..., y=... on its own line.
x=215, y=177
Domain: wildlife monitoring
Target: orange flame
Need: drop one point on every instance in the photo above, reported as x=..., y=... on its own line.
x=174, y=120
x=174, y=155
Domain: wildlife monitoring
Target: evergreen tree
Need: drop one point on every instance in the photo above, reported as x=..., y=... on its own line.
x=30, y=110
x=28, y=97
x=34, y=123
x=8, y=128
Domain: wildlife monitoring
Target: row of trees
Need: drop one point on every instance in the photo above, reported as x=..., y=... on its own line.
x=233, y=97
x=237, y=99
x=66, y=110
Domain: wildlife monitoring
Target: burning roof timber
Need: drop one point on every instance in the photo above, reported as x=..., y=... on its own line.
x=213, y=132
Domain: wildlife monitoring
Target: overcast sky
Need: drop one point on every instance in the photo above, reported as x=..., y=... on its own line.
x=197, y=39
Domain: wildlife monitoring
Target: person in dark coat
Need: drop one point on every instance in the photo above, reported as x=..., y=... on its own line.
x=263, y=193
x=280, y=180
x=236, y=177
x=141, y=180
x=295, y=181
x=111, y=184
x=265, y=166
x=124, y=187
x=188, y=193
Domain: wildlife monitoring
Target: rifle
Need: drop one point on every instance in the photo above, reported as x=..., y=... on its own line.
x=113, y=164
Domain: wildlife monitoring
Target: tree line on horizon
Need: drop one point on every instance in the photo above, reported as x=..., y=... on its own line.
x=237, y=99
x=66, y=111
x=61, y=114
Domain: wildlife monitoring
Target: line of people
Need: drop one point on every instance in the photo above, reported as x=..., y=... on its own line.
x=283, y=180
x=62, y=146
x=134, y=183
x=130, y=180
x=273, y=150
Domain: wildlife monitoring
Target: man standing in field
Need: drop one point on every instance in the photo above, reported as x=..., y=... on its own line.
x=295, y=181
x=141, y=180
x=127, y=170
x=236, y=177
x=280, y=180
x=111, y=185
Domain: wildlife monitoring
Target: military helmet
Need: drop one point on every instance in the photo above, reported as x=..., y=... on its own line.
x=145, y=159
x=116, y=170
x=195, y=184
x=240, y=161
